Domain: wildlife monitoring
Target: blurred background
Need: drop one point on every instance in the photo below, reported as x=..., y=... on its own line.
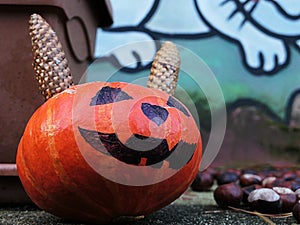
x=254, y=59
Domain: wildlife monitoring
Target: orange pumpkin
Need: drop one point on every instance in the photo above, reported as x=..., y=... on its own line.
x=99, y=151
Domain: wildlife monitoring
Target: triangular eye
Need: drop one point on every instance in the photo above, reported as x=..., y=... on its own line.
x=172, y=102
x=155, y=113
x=109, y=95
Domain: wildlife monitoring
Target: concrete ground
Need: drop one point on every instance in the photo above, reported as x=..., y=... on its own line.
x=192, y=208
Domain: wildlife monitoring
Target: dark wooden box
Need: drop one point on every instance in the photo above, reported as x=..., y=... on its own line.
x=75, y=23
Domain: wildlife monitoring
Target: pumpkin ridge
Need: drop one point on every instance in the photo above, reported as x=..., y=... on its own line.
x=183, y=172
x=34, y=184
x=60, y=171
x=26, y=172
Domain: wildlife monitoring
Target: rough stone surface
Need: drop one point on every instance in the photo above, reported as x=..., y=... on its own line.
x=193, y=208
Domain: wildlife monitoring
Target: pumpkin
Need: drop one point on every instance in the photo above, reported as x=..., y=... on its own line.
x=100, y=151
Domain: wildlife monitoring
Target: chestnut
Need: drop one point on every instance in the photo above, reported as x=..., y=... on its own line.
x=264, y=200
x=248, y=179
x=246, y=191
x=270, y=173
x=288, y=198
x=212, y=170
x=296, y=211
x=227, y=177
x=269, y=182
x=295, y=186
x=289, y=175
x=297, y=192
x=229, y=194
x=286, y=183
x=238, y=172
x=203, y=181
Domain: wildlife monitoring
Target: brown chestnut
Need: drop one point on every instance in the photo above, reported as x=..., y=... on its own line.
x=264, y=200
x=202, y=182
x=296, y=211
x=246, y=191
x=288, y=198
x=296, y=185
x=269, y=182
x=289, y=175
x=212, y=170
x=272, y=172
x=248, y=179
x=297, y=192
x=229, y=194
x=227, y=177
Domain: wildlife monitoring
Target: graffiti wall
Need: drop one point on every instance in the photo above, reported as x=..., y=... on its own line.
x=251, y=47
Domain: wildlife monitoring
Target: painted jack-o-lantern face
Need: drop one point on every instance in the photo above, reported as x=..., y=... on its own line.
x=140, y=130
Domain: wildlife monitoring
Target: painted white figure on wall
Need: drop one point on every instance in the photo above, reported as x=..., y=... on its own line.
x=264, y=30
x=252, y=48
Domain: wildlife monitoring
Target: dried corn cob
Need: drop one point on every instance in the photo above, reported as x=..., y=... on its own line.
x=50, y=64
x=165, y=69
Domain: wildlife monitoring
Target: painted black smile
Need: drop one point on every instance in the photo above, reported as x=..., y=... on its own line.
x=110, y=144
